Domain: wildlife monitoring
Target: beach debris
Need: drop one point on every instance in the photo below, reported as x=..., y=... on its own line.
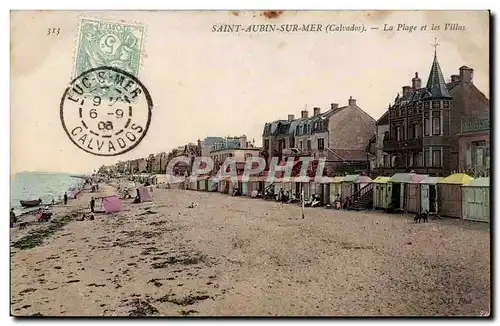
x=26, y=291
x=73, y=281
x=147, y=212
x=192, y=205
x=182, y=260
x=155, y=282
x=96, y=285
x=183, y=301
x=188, y=312
x=142, y=308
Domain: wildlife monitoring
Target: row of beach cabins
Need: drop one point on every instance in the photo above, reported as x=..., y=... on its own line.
x=456, y=196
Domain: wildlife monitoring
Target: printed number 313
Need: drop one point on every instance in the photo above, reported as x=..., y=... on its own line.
x=53, y=31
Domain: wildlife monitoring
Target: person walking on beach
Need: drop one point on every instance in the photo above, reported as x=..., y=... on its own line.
x=13, y=218
x=65, y=198
x=92, y=204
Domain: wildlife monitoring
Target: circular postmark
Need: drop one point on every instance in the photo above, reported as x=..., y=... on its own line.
x=106, y=111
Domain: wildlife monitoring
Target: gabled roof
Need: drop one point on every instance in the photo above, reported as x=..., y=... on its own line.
x=457, y=178
x=384, y=119
x=479, y=182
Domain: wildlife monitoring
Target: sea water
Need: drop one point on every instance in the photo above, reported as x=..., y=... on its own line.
x=34, y=185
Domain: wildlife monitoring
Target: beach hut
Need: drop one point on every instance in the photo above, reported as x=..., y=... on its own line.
x=213, y=184
x=111, y=204
x=450, y=194
x=381, y=194
x=251, y=184
x=429, y=195
x=335, y=188
x=144, y=194
x=224, y=184
x=476, y=200
x=353, y=183
x=324, y=189
x=397, y=187
x=413, y=200
x=303, y=184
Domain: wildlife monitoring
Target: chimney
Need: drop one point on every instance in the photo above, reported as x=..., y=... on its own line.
x=455, y=78
x=466, y=74
x=243, y=141
x=416, y=82
x=334, y=106
x=317, y=111
x=291, y=117
x=406, y=90
x=352, y=102
x=304, y=114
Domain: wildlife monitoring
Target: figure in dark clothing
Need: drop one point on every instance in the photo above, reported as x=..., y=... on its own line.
x=92, y=204
x=13, y=218
x=65, y=198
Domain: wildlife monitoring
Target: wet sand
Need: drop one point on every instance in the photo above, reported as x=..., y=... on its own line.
x=236, y=256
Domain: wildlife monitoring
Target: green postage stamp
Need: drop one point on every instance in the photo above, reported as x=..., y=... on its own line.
x=107, y=43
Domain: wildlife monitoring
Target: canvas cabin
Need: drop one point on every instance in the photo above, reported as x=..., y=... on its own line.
x=336, y=188
x=353, y=183
x=413, y=200
x=323, y=189
x=450, y=194
x=476, y=200
x=429, y=195
x=381, y=194
x=398, y=188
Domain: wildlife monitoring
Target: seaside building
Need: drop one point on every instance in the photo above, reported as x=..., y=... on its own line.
x=237, y=148
x=425, y=122
x=474, y=147
x=340, y=135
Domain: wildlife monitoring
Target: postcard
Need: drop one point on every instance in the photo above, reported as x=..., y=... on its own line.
x=250, y=163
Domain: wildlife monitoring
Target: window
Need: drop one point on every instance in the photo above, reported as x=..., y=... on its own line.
x=321, y=144
x=387, y=161
x=420, y=105
x=401, y=133
x=436, y=125
x=297, y=130
x=446, y=104
x=300, y=144
x=266, y=144
x=401, y=112
x=427, y=158
x=292, y=142
x=416, y=159
x=386, y=135
x=436, y=158
x=427, y=105
x=418, y=131
x=410, y=111
x=436, y=104
x=283, y=144
x=309, y=144
x=427, y=127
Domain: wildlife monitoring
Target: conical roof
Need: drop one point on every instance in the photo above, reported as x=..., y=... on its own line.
x=436, y=84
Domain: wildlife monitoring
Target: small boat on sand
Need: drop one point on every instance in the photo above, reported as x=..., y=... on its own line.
x=31, y=203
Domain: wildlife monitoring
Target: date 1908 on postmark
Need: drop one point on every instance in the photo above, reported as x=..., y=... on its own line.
x=100, y=122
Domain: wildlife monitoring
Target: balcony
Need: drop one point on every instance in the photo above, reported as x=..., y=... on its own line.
x=295, y=152
x=476, y=125
x=402, y=145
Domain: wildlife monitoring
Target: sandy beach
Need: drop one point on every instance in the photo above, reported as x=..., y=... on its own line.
x=237, y=256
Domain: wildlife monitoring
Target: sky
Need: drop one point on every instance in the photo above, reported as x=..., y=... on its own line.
x=205, y=83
